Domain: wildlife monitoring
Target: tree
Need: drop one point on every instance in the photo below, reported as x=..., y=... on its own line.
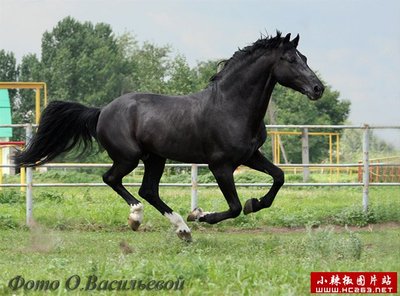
x=8, y=66
x=352, y=149
x=9, y=72
x=8, y=69
x=204, y=71
x=181, y=78
x=30, y=69
x=153, y=68
x=148, y=65
x=82, y=62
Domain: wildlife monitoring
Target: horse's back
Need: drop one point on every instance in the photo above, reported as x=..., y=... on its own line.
x=165, y=125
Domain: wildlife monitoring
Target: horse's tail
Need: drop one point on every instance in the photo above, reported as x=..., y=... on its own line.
x=62, y=126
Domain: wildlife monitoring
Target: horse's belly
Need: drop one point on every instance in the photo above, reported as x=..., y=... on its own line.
x=182, y=149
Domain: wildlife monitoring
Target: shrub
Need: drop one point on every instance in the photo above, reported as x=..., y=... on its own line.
x=355, y=216
x=324, y=243
x=10, y=197
x=6, y=221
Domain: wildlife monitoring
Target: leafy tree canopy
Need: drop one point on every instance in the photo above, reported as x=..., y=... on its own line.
x=82, y=62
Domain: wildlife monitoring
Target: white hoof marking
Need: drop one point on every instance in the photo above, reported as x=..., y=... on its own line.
x=196, y=214
x=177, y=220
x=136, y=213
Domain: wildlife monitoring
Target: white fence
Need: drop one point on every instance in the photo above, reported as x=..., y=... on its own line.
x=365, y=184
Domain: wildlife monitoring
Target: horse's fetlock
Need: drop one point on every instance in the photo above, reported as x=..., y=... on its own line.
x=267, y=203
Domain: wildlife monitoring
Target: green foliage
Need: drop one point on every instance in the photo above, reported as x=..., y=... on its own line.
x=182, y=78
x=67, y=177
x=8, y=66
x=351, y=146
x=294, y=108
x=148, y=67
x=9, y=72
x=204, y=71
x=7, y=222
x=355, y=216
x=323, y=243
x=82, y=62
x=10, y=197
x=154, y=69
x=30, y=69
x=51, y=196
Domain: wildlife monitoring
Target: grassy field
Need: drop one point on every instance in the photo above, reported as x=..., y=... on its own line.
x=102, y=209
x=83, y=232
x=267, y=262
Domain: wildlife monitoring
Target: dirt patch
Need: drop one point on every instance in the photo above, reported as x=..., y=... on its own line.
x=282, y=230
x=42, y=239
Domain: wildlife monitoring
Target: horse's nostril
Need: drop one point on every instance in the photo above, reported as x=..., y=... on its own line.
x=317, y=89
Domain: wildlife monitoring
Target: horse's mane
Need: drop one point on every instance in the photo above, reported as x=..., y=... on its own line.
x=265, y=42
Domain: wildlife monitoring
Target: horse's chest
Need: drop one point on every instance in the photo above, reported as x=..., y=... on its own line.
x=243, y=148
x=250, y=147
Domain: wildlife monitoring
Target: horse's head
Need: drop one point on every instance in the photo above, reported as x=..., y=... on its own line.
x=291, y=70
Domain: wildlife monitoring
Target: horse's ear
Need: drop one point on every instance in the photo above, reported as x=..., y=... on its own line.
x=286, y=39
x=295, y=41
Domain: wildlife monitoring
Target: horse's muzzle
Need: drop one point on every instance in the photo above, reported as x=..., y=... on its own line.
x=318, y=91
x=315, y=92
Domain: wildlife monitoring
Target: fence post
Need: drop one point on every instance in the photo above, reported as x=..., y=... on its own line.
x=366, y=167
x=194, y=173
x=305, y=155
x=29, y=187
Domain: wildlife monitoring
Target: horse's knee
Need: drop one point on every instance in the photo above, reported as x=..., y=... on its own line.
x=109, y=179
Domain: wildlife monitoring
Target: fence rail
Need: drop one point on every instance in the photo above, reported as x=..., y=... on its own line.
x=366, y=166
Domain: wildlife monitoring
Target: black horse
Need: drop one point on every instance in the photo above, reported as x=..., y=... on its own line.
x=222, y=126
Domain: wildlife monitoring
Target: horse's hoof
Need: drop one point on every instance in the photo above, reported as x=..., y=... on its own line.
x=133, y=224
x=195, y=215
x=136, y=216
x=184, y=235
x=248, y=206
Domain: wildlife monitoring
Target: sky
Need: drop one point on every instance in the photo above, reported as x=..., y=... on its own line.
x=353, y=44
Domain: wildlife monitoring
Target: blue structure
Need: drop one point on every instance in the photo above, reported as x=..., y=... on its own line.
x=5, y=115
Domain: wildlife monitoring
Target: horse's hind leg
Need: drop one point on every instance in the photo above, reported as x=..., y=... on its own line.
x=113, y=178
x=154, y=167
x=260, y=163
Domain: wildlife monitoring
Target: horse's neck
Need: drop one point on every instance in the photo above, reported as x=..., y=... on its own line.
x=263, y=102
x=249, y=93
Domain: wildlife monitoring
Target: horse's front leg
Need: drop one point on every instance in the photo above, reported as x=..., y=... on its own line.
x=260, y=163
x=224, y=176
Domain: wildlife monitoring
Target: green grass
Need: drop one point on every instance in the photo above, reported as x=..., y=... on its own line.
x=272, y=252
x=216, y=263
x=102, y=209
